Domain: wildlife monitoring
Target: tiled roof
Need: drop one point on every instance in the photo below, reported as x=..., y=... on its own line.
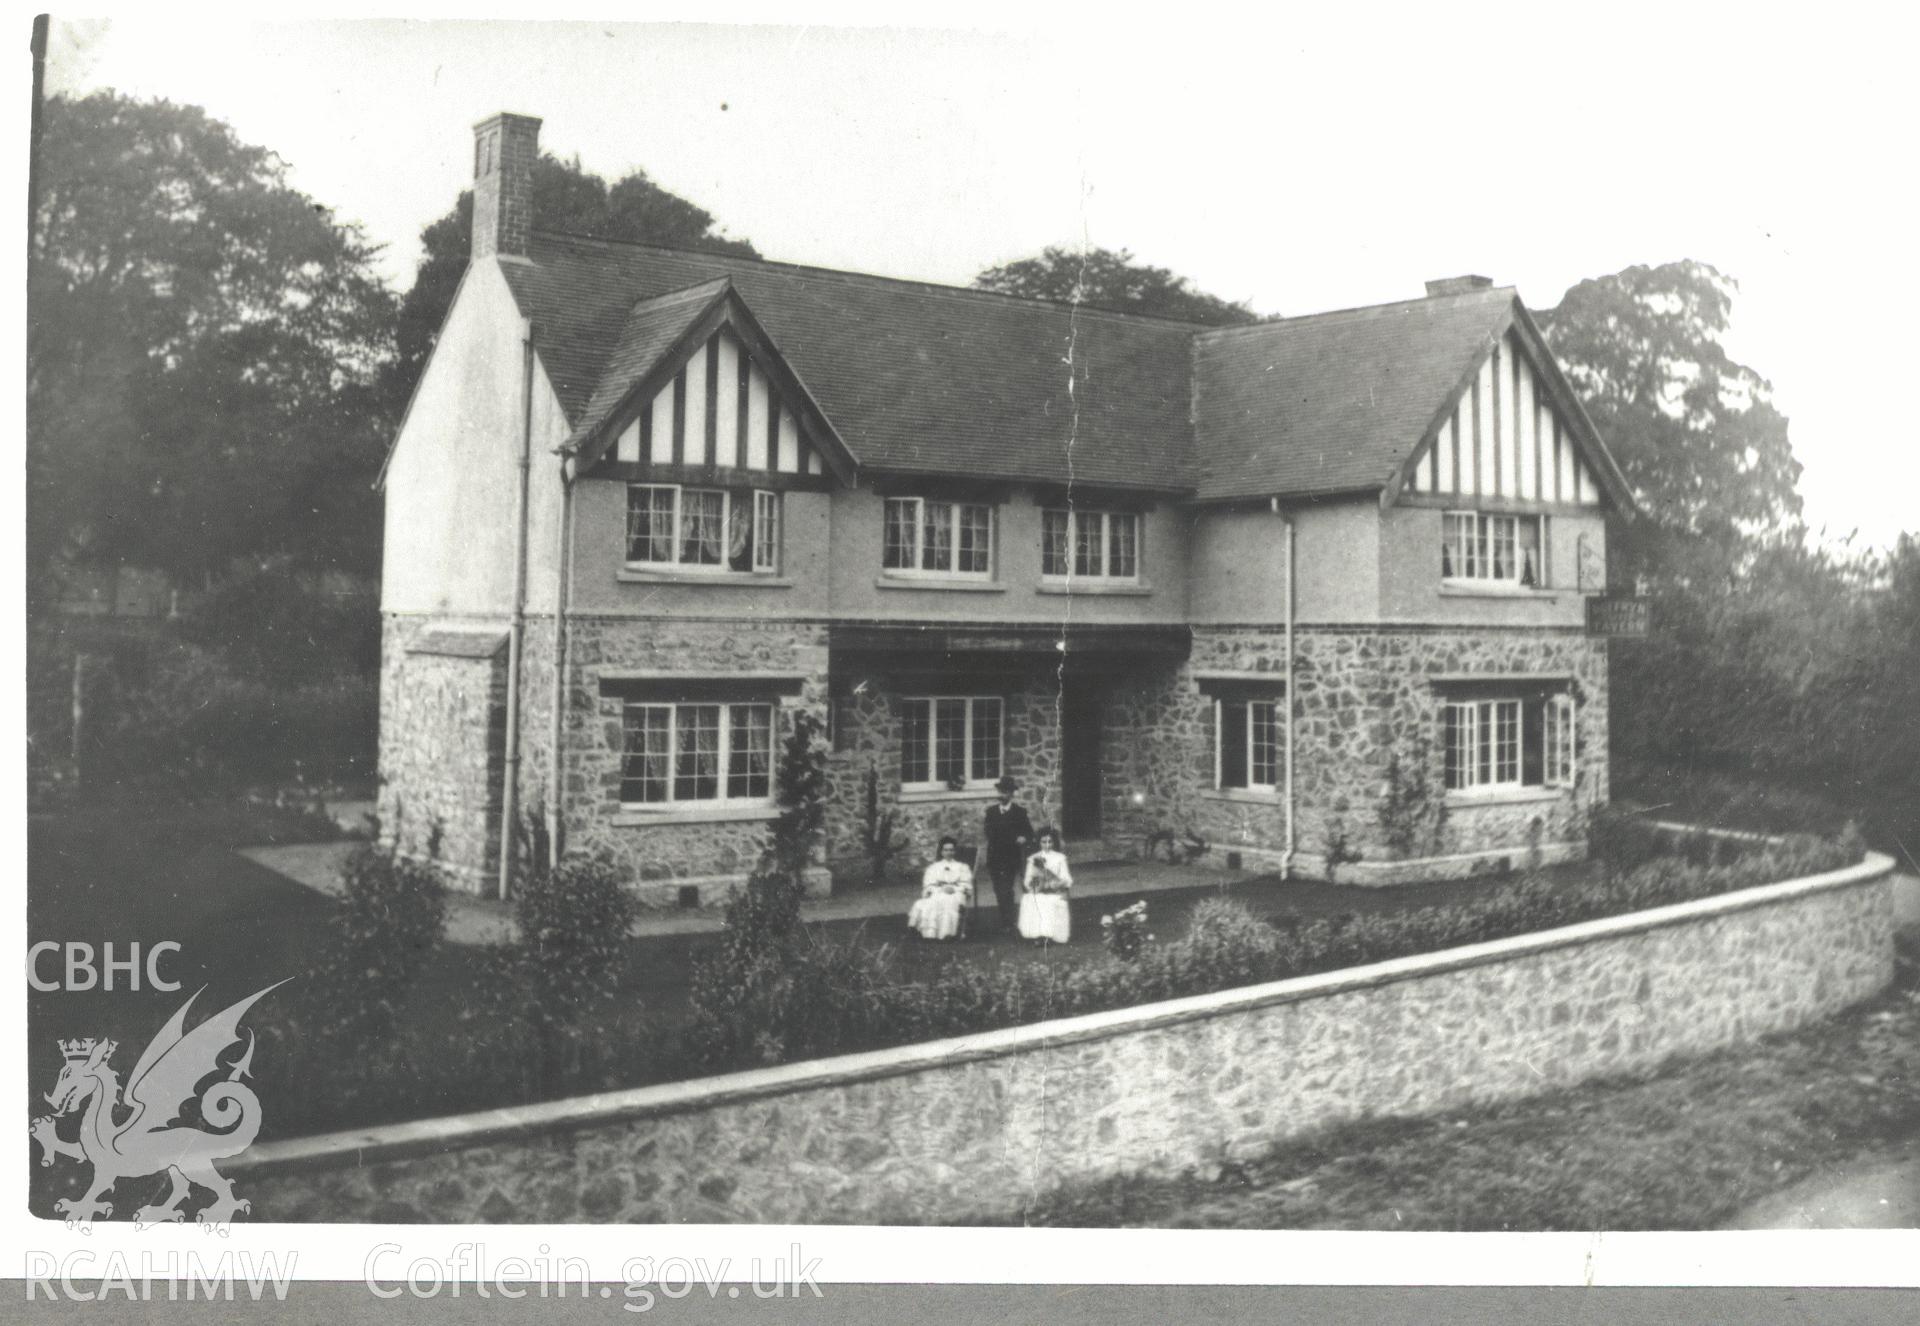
x=1333, y=402
x=935, y=379
x=913, y=377
x=653, y=327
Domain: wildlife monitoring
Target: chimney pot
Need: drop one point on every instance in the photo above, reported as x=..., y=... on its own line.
x=1458, y=285
x=505, y=146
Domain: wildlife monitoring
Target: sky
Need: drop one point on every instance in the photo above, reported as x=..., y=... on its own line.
x=1297, y=161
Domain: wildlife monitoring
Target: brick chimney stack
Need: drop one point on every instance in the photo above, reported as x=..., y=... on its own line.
x=1458, y=285
x=504, y=150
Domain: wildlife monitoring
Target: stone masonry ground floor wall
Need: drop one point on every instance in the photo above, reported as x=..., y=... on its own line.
x=976, y=1127
x=867, y=755
x=442, y=744
x=1368, y=705
x=1366, y=701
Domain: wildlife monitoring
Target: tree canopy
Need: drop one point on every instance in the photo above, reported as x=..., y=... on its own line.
x=565, y=198
x=1695, y=432
x=1104, y=278
x=203, y=343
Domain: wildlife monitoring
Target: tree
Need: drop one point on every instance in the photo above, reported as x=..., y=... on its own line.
x=565, y=198
x=1696, y=433
x=1103, y=278
x=203, y=344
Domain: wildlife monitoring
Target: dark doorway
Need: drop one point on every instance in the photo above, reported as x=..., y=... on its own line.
x=1080, y=711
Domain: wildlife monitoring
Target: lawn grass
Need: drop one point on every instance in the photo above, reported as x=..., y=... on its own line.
x=1687, y=1146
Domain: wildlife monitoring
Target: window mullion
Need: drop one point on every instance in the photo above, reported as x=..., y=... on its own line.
x=1251, y=706
x=677, y=506
x=966, y=739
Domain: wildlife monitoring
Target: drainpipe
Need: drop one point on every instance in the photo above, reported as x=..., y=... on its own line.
x=562, y=590
x=510, y=773
x=1286, y=855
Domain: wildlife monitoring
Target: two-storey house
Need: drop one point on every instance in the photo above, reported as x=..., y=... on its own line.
x=1268, y=585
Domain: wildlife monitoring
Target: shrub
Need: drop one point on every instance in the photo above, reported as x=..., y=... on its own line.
x=573, y=920
x=1124, y=933
x=747, y=989
x=392, y=914
x=1619, y=840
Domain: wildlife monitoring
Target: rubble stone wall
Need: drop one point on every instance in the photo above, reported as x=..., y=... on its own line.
x=1362, y=695
x=442, y=747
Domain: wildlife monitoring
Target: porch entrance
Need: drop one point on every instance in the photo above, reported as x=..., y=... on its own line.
x=1080, y=720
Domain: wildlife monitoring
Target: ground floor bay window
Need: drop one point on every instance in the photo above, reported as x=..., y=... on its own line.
x=1507, y=743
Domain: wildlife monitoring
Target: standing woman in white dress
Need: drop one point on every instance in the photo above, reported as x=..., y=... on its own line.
x=1043, y=899
x=945, y=891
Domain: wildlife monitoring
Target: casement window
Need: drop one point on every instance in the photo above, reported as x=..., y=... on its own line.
x=696, y=755
x=718, y=530
x=950, y=741
x=1558, y=741
x=1248, y=744
x=1486, y=548
x=928, y=537
x=1101, y=544
x=1509, y=743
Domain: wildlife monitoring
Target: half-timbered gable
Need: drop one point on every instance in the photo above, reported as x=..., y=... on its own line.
x=696, y=390
x=1512, y=431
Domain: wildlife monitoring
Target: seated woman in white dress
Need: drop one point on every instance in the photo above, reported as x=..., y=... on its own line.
x=945, y=891
x=1043, y=897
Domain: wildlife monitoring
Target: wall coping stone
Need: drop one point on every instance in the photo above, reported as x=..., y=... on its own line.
x=430, y=1136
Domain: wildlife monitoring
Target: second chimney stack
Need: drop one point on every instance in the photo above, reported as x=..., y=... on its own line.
x=1458, y=285
x=504, y=150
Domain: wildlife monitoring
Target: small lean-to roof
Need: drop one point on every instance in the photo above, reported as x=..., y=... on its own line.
x=913, y=378
x=1333, y=402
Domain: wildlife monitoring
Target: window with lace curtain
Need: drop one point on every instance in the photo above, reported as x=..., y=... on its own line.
x=1482, y=547
x=717, y=530
x=925, y=536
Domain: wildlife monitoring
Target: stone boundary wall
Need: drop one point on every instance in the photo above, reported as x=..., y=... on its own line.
x=974, y=1126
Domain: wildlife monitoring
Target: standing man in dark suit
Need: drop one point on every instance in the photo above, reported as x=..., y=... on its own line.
x=1009, y=834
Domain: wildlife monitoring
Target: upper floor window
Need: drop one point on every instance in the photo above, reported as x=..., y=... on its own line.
x=1511, y=743
x=703, y=529
x=1477, y=545
x=1104, y=544
x=696, y=754
x=928, y=537
x=950, y=741
x=1247, y=744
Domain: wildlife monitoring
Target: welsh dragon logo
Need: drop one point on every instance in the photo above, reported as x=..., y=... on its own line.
x=150, y=1136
